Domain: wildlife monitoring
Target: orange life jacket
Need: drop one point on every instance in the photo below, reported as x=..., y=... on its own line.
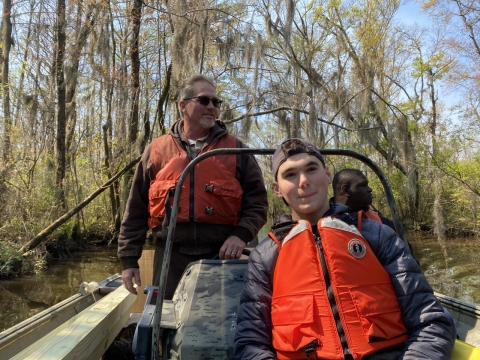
x=303, y=319
x=372, y=215
x=210, y=193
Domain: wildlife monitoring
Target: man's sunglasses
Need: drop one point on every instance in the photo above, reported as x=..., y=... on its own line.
x=205, y=100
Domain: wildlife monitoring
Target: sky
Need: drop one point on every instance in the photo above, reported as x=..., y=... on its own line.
x=411, y=12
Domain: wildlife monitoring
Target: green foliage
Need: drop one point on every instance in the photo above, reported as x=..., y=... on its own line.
x=11, y=260
x=277, y=206
x=434, y=66
x=39, y=266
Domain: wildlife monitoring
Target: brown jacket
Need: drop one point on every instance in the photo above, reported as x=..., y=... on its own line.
x=195, y=238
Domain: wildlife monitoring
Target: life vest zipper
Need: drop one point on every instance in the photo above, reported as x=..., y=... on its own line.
x=331, y=298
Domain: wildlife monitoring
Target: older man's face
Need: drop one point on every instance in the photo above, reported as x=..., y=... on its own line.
x=197, y=114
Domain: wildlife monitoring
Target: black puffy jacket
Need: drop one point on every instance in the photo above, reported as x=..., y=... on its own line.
x=431, y=332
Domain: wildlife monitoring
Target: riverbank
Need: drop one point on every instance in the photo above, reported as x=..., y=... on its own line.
x=59, y=246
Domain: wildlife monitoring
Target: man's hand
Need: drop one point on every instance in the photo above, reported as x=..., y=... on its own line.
x=232, y=248
x=128, y=275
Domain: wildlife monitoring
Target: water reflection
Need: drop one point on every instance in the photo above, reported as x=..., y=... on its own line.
x=451, y=266
x=27, y=296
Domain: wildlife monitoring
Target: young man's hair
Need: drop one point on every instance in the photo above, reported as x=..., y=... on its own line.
x=345, y=176
x=292, y=147
x=188, y=87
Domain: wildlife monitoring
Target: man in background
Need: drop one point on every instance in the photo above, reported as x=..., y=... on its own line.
x=350, y=187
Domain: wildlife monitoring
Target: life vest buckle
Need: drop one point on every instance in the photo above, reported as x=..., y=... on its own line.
x=209, y=188
x=310, y=349
x=209, y=210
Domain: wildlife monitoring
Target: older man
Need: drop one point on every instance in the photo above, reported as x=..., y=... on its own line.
x=223, y=203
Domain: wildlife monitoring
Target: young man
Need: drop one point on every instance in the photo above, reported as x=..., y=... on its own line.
x=221, y=209
x=318, y=288
x=350, y=187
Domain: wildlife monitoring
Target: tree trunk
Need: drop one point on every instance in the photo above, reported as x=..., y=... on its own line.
x=61, y=106
x=84, y=28
x=135, y=90
x=5, y=59
x=114, y=191
x=108, y=130
x=7, y=128
x=135, y=77
x=159, y=114
x=438, y=218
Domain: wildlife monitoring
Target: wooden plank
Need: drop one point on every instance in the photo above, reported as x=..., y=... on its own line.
x=32, y=332
x=17, y=338
x=146, y=274
x=99, y=350
x=92, y=331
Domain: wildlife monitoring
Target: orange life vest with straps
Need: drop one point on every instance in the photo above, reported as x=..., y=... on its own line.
x=331, y=295
x=210, y=193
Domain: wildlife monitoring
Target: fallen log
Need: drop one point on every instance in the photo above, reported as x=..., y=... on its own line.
x=42, y=236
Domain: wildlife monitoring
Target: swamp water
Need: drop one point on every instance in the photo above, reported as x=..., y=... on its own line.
x=21, y=298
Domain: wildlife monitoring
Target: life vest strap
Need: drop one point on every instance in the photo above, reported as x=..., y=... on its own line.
x=360, y=216
x=310, y=349
x=274, y=238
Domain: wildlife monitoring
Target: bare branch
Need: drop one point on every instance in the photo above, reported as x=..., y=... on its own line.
x=286, y=108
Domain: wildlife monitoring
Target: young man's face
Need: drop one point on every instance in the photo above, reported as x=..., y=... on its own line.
x=360, y=194
x=303, y=182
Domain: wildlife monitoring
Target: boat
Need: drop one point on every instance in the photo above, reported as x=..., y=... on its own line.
x=198, y=323
x=467, y=322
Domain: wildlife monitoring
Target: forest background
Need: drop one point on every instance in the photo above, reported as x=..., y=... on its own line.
x=87, y=84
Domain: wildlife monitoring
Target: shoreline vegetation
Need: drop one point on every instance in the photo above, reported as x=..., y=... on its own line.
x=14, y=263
